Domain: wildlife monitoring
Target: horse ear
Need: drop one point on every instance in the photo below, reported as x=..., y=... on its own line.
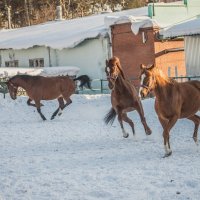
x=142, y=66
x=151, y=66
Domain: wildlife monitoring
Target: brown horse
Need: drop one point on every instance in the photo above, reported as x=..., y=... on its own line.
x=173, y=100
x=44, y=88
x=124, y=97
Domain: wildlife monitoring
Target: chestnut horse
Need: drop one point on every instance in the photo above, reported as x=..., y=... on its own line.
x=173, y=100
x=124, y=97
x=44, y=88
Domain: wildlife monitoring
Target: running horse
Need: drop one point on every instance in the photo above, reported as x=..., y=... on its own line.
x=44, y=88
x=124, y=97
x=173, y=101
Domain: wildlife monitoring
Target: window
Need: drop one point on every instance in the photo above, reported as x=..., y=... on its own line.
x=13, y=63
x=37, y=62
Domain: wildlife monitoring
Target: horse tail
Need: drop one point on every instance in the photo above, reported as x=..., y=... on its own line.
x=110, y=116
x=85, y=81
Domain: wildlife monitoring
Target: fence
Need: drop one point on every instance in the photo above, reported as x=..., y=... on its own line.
x=102, y=85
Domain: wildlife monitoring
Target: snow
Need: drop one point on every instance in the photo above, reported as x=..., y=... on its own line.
x=136, y=22
x=77, y=157
x=189, y=27
x=45, y=71
x=61, y=34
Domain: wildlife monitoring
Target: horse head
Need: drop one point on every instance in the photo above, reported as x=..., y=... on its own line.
x=113, y=70
x=147, y=80
x=12, y=87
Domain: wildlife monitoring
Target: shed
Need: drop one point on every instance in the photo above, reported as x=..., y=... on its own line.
x=190, y=30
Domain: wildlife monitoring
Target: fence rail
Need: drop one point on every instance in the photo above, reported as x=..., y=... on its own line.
x=102, y=83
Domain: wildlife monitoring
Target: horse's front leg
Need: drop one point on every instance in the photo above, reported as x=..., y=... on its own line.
x=32, y=104
x=140, y=111
x=37, y=104
x=119, y=112
x=166, y=131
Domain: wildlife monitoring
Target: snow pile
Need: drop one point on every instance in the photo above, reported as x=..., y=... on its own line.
x=77, y=157
x=45, y=71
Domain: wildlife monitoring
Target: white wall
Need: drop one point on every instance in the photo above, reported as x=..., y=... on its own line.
x=192, y=55
x=24, y=55
x=89, y=56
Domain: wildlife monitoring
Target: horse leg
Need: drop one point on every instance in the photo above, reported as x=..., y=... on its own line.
x=37, y=104
x=196, y=120
x=129, y=121
x=61, y=106
x=166, y=131
x=142, y=118
x=32, y=104
x=120, y=116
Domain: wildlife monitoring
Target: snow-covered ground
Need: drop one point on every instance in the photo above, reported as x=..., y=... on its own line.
x=77, y=157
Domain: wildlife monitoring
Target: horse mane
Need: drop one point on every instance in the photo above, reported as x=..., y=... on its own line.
x=119, y=66
x=160, y=75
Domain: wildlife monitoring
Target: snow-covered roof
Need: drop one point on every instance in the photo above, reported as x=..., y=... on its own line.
x=61, y=34
x=189, y=27
x=45, y=71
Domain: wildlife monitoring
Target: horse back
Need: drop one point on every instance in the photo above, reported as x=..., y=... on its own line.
x=46, y=88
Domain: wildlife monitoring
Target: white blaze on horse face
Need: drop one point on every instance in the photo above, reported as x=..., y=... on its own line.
x=141, y=83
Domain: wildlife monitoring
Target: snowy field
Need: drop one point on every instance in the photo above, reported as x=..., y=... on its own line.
x=77, y=157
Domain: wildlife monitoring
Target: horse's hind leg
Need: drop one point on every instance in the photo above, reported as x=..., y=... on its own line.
x=58, y=110
x=61, y=106
x=129, y=121
x=37, y=103
x=196, y=120
x=120, y=117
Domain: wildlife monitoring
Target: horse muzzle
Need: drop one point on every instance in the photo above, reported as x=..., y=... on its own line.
x=143, y=93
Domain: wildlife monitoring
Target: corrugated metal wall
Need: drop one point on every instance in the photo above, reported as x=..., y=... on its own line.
x=192, y=55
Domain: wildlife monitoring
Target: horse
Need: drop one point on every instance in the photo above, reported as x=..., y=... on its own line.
x=85, y=81
x=44, y=88
x=173, y=100
x=124, y=97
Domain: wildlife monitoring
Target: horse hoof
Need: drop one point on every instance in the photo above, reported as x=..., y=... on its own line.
x=167, y=154
x=126, y=136
x=148, y=132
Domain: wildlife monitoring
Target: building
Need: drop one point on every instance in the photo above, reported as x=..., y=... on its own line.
x=190, y=30
x=82, y=42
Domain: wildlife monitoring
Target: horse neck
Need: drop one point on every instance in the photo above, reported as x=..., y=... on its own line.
x=163, y=87
x=20, y=83
x=120, y=84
